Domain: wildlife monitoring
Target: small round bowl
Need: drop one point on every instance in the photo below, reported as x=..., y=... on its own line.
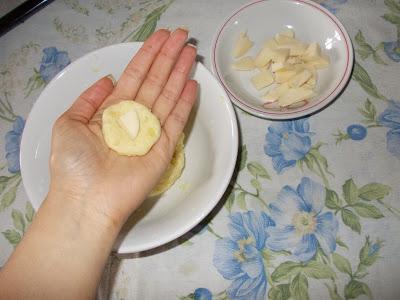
x=262, y=20
x=210, y=150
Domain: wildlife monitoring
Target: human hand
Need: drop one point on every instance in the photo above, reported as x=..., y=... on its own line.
x=84, y=171
x=93, y=190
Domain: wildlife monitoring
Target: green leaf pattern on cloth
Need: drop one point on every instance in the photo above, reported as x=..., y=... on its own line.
x=21, y=222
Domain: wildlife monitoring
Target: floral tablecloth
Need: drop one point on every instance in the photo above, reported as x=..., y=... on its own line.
x=313, y=211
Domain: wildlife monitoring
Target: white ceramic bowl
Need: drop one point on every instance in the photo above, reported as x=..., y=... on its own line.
x=263, y=20
x=211, y=149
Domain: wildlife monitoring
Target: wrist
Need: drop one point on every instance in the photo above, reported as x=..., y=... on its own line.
x=67, y=245
x=79, y=211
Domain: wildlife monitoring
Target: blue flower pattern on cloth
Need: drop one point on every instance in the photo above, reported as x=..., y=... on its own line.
x=301, y=226
x=357, y=132
x=390, y=118
x=53, y=61
x=298, y=224
x=392, y=50
x=374, y=248
x=239, y=257
x=13, y=141
x=202, y=294
x=287, y=142
x=332, y=5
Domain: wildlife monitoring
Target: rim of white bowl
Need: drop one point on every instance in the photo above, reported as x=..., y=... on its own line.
x=317, y=104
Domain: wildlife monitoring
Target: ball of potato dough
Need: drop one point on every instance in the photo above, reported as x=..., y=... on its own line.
x=174, y=170
x=119, y=140
x=147, y=131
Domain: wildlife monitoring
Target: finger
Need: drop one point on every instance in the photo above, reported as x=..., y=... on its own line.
x=176, y=82
x=90, y=100
x=177, y=119
x=161, y=68
x=137, y=69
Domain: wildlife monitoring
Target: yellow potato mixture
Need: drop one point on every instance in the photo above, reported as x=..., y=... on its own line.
x=130, y=128
x=118, y=138
x=174, y=170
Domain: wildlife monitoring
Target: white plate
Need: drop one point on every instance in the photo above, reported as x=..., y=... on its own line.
x=262, y=20
x=211, y=149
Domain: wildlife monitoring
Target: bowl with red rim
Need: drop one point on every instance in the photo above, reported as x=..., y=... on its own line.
x=262, y=20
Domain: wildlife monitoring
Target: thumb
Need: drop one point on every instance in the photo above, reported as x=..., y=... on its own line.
x=84, y=108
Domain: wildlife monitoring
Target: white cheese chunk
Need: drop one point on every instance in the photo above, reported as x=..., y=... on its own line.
x=296, y=47
x=288, y=63
x=263, y=79
x=294, y=60
x=300, y=78
x=282, y=76
x=280, y=55
x=281, y=66
x=242, y=45
x=312, y=52
x=274, y=94
x=271, y=44
x=129, y=121
x=288, y=33
x=263, y=57
x=294, y=95
x=311, y=83
x=244, y=64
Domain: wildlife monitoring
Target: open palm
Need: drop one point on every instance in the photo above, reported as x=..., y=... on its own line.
x=85, y=169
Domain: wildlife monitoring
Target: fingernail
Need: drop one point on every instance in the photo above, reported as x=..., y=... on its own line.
x=184, y=28
x=165, y=28
x=192, y=45
x=111, y=77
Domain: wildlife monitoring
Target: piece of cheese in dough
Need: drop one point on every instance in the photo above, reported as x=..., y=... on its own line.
x=174, y=170
x=119, y=139
x=242, y=45
x=129, y=121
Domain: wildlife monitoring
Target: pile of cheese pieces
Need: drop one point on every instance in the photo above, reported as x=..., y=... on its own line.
x=289, y=63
